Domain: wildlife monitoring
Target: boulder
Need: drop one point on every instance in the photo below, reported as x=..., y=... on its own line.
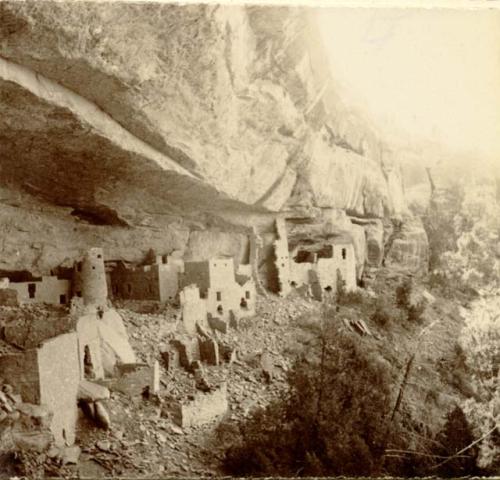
x=90, y=392
x=32, y=440
x=410, y=248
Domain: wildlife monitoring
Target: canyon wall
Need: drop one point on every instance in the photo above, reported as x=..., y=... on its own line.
x=131, y=126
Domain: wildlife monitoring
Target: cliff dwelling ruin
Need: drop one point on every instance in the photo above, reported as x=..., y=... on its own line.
x=74, y=359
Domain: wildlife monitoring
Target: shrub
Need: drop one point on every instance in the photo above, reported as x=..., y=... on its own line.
x=414, y=311
x=403, y=294
x=455, y=436
x=384, y=313
x=332, y=420
x=351, y=298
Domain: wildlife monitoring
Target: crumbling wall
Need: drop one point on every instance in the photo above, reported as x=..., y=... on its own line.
x=21, y=371
x=197, y=273
x=223, y=294
x=240, y=300
x=281, y=259
x=322, y=273
x=168, y=277
x=203, y=408
x=189, y=350
x=343, y=261
x=159, y=281
x=49, y=289
x=59, y=367
x=142, y=283
x=194, y=308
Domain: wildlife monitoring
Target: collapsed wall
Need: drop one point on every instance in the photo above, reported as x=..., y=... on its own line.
x=201, y=408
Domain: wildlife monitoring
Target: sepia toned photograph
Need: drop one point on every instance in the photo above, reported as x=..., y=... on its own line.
x=249, y=239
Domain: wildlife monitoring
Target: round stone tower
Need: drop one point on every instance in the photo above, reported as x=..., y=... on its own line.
x=93, y=278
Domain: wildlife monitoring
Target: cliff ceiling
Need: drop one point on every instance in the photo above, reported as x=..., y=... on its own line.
x=150, y=117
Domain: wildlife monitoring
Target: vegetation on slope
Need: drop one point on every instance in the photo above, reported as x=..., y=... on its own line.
x=385, y=403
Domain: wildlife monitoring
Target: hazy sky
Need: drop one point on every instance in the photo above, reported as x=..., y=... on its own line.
x=427, y=73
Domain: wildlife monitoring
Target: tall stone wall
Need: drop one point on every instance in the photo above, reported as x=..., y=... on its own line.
x=59, y=367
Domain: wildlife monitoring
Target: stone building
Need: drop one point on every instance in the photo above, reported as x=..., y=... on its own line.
x=321, y=264
x=47, y=289
x=50, y=365
x=213, y=289
x=159, y=281
x=89, y=278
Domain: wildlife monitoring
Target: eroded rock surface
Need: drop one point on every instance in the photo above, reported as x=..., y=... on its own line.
x=134, y=125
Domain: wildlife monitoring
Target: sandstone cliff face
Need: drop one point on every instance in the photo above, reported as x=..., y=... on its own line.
x=151, y=121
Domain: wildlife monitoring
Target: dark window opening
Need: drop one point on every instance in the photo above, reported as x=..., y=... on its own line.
x=31, y=290
x=88, y=368
x=219, y=296
x=64, y=436
x=283, y=265
x=328, y=289
x=99, y=256
x=247, y=294
x=344, y=254
x=220, y=310
x=79, y=266
x=303, y=256
x=62, y=299
x=93, y=267
x=293, y=283
x=79, y=293
x=243, y=304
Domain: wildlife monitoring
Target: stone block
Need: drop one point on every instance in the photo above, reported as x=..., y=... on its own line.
x=32, y=441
